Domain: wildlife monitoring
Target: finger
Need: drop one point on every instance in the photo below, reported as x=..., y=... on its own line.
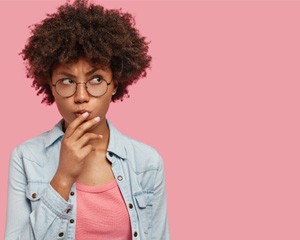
x=87, y=150
x=73, y=125
x=82, y=128
x=85, y=138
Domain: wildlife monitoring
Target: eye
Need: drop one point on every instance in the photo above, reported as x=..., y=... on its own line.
x=96, y=80
x=67, y=81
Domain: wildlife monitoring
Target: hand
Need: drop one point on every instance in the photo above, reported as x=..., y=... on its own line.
x=74, y=149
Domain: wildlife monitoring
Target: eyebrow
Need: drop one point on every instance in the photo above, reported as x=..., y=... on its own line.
x=86, y=74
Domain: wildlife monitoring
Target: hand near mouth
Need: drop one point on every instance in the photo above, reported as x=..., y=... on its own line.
x=78, y=113
x=74, y=149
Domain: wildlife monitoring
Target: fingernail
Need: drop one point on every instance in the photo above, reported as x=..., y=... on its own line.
x=85, y=114
x=101, y=136
x=97, y=119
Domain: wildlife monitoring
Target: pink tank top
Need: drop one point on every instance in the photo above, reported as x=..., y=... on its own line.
x=101, y=213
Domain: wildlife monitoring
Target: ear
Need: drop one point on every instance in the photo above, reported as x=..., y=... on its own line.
x=115, y=90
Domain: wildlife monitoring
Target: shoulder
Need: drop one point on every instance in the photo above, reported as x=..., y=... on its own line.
x=26, y=155
x=141, y=156
x=144, y=156
x=34, y=149
x=141, y=148
x=31, y=146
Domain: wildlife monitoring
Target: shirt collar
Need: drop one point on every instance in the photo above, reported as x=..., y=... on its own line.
x=116, y=143
x=54, y=134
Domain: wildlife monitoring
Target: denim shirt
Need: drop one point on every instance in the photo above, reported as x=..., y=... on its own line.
x=36, y=211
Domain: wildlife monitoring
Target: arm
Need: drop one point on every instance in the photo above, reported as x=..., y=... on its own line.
x=48, y=219
x=159, y=221
x=74, y=148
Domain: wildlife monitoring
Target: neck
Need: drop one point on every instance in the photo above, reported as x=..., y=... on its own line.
x=101, y=129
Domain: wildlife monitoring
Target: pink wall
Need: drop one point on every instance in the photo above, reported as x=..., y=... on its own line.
x=221, y=104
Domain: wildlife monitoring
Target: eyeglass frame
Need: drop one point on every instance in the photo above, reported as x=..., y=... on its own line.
x=107, y=84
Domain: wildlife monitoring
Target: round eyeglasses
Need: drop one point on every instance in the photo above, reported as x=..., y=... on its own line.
x=96, y=87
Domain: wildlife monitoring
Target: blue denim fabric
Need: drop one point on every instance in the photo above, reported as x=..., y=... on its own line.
x=36, y=211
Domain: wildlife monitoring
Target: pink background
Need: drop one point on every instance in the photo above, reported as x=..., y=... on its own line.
x=221, y=104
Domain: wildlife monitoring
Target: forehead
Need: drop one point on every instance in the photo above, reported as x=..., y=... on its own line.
x=80, y=66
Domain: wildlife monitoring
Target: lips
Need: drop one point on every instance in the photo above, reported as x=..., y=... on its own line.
x=80, y=112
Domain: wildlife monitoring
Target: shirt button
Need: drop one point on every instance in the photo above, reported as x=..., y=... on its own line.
x=34, y=195
x=135, y=234
x=110, y=154
x=120, y=178
x=130, y=205
x=61, y=234
x=71, y=220
x=72, y=193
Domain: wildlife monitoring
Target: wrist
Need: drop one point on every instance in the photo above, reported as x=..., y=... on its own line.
x=62, y=184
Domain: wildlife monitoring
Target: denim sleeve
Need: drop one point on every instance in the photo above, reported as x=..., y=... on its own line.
x=48, y=220
x=159, y=221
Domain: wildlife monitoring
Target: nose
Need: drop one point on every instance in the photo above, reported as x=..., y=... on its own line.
x=81, y=94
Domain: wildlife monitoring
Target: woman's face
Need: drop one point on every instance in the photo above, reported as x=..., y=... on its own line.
x=82, y=101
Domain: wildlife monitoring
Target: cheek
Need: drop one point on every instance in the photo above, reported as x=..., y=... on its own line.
x=102, y=106
x=60, y=108
x=63, y=109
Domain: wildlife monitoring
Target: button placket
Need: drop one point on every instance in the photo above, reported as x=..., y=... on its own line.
x=34, y=195
x=110, y=154
x=120, y=178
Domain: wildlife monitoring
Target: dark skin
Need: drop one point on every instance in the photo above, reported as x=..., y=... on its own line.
x=84, y=146
x=88, y=152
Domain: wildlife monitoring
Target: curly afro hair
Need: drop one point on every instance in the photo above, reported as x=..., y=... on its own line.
x=80, y=29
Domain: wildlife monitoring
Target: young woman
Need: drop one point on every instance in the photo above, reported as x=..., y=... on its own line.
x=84, y=179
